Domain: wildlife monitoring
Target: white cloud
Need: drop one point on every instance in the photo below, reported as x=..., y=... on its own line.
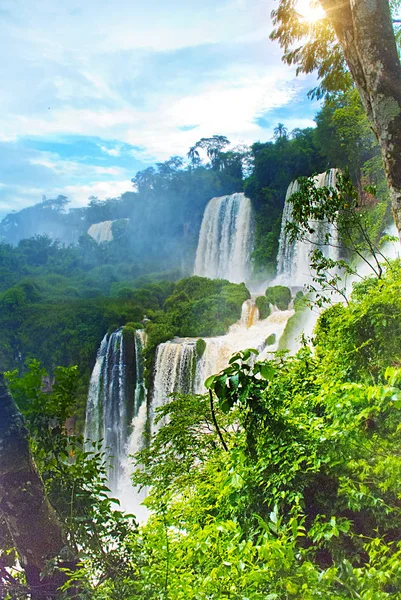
x=71, y=168
x=136, y=73
x=111, y=151
x=79, y=194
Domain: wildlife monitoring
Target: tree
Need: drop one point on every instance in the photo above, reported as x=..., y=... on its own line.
x=30, y=519
x=213, y=147
x=366, y=45
x=280, y=132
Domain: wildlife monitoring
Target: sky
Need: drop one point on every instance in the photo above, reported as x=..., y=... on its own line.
x=94, y=91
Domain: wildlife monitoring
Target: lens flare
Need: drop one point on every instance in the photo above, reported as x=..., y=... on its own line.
x=310, y=11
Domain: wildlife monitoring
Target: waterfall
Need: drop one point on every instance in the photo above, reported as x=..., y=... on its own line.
x=248, y=332
x=225, y=239
x=94, y=416
x=101, y=232
x=131, y=498
x=113, y=401
x=293, y=266
x=174, y=372
x=179, y=369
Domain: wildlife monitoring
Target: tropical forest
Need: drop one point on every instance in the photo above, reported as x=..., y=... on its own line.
x=200, y=365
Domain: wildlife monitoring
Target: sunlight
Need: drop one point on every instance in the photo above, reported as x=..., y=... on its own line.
x=310, y=11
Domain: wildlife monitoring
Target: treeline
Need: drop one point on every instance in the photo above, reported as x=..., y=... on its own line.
x=166, y=208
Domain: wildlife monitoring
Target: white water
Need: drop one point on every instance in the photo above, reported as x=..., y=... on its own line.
x=108, y=403
x=106, y=415
x=178, y=369
x=174, y=372
x=94, y=410
x=225, y=239
x=293, y=266
x=101, y=232
x=130, y=497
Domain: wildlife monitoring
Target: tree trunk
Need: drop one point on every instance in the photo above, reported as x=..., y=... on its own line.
x=365, y=32
x=31, y=520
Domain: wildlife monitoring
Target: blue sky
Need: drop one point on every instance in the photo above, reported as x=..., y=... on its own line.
x=94, y=91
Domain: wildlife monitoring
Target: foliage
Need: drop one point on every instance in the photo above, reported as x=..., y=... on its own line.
x=278, y=295
x=366, y=334
x=275, y=164
x=343, y=121
x=263, y=306
x=271, y=339
x=200, y=347
x=301, y=500
x=347, y=223
x=196, y=307
x=305, y=501
x=75, y=479
x=312, y=46
x=296, y=323
x=69, y=331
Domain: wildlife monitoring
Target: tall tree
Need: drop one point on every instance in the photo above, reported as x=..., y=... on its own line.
x=30, y=519
x=365, y=36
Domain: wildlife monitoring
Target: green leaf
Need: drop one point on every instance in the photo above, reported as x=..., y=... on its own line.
x=267, y=371
x=209, y=381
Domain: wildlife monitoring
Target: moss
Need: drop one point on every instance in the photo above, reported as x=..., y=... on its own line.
x=132, y=325
x=263, y=306
x=128, y=332
x=200, y=347
x=295, y=323
x=279, y=295
x=271, y=339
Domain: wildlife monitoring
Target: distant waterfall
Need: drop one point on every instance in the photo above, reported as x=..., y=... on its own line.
x=101, y=232
x=115, y=397
x=293, y=264
x=225, y=239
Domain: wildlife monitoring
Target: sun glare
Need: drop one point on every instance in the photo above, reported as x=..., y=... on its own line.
x=310, y=11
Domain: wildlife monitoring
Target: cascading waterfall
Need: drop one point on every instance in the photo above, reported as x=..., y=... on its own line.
x=179, y=369
x=118, y=410
x=94, y=409
x=174, y=372
x=130, y=497
x=106, y=417
x=293, y=266
x=101, y=232
x=225, y=239
x=111, y=401
x=248, y=332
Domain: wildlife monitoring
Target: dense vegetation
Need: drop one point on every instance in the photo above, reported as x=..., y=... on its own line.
x=302, y=500
x=283, y=481
x=42, y=321
x=165, y=211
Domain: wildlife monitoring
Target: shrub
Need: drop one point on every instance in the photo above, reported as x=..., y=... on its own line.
x=279, y=295
x=200, y=347
x=263, y=306
x=271, y=339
